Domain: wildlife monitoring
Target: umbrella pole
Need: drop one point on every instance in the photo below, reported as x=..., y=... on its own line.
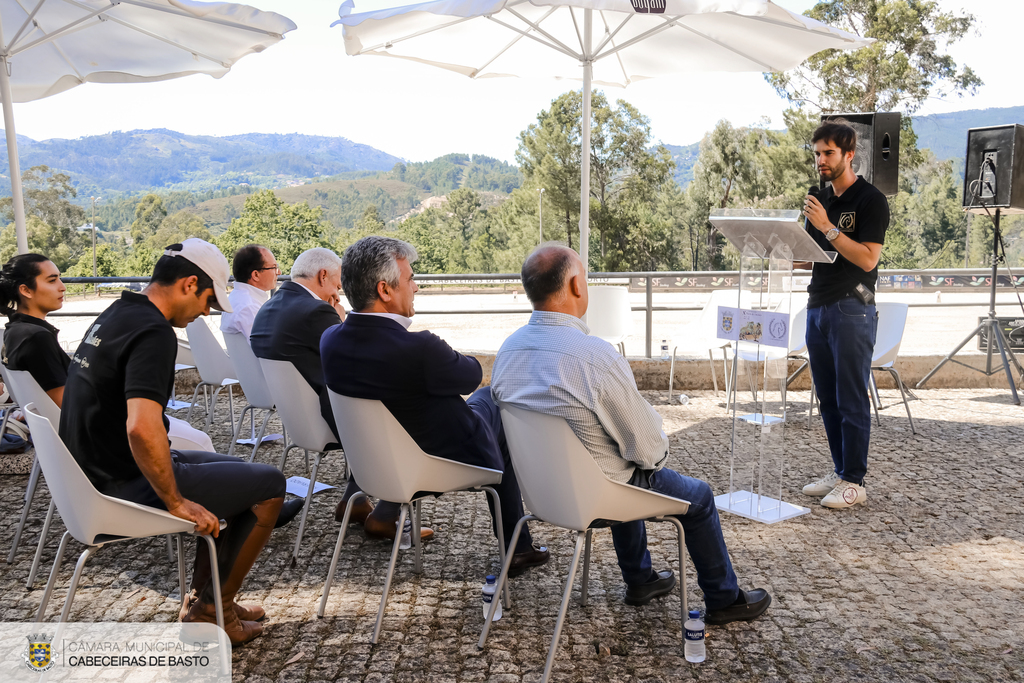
x=588, y=75
x=18, y=199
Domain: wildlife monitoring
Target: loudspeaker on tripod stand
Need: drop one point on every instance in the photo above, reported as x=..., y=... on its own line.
x=878, y=148
x=994, y=169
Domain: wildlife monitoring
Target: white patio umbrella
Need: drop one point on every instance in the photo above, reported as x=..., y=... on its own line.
x=607, y=42
x=49, y=46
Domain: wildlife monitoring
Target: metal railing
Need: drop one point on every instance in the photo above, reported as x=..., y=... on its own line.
x=952, y=280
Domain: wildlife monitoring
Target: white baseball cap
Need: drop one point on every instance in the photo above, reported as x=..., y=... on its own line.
x=210, y=261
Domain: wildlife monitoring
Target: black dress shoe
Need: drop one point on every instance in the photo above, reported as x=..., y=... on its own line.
x=748, y=606
x=289, y=510
x=662, y=584
x=534, y=557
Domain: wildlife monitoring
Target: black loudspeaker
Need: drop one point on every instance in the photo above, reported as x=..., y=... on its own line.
x=994, y=169
x=878, y=148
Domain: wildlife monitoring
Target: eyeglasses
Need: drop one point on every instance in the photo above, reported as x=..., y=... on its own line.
x=273, y=267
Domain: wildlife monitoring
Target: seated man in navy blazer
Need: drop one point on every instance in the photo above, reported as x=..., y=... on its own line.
x=288, y=327
x=417, y=376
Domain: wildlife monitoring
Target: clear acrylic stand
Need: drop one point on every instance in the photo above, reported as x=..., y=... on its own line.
x=767, y=241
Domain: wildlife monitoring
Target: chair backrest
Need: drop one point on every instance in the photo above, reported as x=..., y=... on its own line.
x=798, y=330
x=562, y=483
x=892, y=319
x=387, y=462
x=184, y=356
x=90, y=516
x=297, y=404
x=250, y=373
x=609, y=315
x=212, y=362
x=26, y=389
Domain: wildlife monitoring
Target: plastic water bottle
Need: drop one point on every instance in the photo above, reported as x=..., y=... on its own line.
x=694, y=647
x=489, y=595
x=683, y=399
x=664, y=349
x=406, y=541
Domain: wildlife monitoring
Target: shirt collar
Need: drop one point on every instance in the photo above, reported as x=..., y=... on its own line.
x=561, y=319
x=254, y=292
x=311, y=292
x=31, y=320
x=400, y=319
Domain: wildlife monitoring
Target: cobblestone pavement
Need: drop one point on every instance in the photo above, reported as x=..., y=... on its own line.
x=924, y=583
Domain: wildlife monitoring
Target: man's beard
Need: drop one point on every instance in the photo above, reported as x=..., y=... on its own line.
x=830, y=173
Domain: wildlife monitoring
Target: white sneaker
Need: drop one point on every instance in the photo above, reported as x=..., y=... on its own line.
x=823, y=485
x=846, y=494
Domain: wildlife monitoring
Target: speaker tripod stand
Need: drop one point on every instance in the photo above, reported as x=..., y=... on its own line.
x=989, y=331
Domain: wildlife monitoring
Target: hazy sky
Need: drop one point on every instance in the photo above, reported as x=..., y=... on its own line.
x=307, y=84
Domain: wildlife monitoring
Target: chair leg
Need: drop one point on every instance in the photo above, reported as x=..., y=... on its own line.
x=284, y=456
x=391, y=573
x=231, y=402
x=501, y=537
x=42, y=542
x=7, y=417
x=874, y=404
x=305, y=454
x=714, y=377
x=358, y=495
x=305, y=510
x=874, y=390
x=218, y=604
x=263, y=430
x=182, y=585
x=73, y=588
x=195, y=394
x=683, y=604
x=30, y=494
x=53, y=576
x=585, y=583
x=237, y=428
x=502, y=578
x=170, y=548
x=580, y=536
x=417, y=542
x=213, y=409
x=899, y=382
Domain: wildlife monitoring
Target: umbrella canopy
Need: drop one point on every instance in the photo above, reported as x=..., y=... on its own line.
x=49, y=46
x=607, y=42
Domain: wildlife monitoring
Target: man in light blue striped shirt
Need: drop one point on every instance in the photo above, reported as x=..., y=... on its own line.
x=553, y=366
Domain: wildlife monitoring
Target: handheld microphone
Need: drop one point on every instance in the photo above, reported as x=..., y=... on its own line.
x=814, y=192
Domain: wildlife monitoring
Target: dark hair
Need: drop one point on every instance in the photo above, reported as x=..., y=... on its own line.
x=544, y=273
x=370, y=260
x=837, y=132
x=170, y=269
x=247, y=259
x=22, y=269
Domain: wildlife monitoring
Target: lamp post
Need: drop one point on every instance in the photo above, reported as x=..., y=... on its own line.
x=95, y=286
x=540, y=212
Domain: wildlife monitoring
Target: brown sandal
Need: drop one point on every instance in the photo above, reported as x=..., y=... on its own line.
x=238, y=631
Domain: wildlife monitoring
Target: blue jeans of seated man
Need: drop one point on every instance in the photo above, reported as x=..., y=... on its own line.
x=704, y=540
x=840, y=342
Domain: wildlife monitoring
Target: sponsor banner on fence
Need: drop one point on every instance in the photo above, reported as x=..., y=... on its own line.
x=885, y=282
x=129, y=652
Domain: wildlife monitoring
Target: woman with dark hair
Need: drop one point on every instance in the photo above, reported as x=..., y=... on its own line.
x=31, y=288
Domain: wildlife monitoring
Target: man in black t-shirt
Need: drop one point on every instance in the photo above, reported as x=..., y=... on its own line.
x=850, y=218
x=113, y=423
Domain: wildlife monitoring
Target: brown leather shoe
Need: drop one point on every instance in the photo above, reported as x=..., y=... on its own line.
x=244, y=612
x=376, y=528
x=360, y=511
x=238, y=631
x=533, y=557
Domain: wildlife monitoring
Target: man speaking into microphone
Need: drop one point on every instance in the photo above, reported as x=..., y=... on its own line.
x=849, y=217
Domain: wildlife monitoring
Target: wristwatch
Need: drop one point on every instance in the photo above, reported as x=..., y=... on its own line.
x=832, y=234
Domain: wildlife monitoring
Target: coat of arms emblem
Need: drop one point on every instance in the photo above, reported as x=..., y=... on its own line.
x=727, y=322
x=39, y=656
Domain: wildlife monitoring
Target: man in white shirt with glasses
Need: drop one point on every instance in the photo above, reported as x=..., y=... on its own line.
x=255, y=270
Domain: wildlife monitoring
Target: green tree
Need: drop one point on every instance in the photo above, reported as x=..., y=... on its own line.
x=47, y=196
x=149, y=214
x=176, y=228
x=285, y=229
x=62, y=245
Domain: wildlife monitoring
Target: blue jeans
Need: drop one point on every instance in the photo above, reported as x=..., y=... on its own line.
x=840, y=341
x=704, y=540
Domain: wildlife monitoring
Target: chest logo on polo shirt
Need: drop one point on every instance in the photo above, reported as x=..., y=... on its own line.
x=847, y=221
x=91, y=338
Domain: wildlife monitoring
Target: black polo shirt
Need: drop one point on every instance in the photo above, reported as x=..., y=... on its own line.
x=30, y=344
x=862, y=214
x=128, y=352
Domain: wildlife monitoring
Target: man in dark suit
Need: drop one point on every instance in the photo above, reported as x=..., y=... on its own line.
x=417, y=376
x=288, y=327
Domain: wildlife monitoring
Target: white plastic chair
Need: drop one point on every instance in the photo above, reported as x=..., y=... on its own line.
x=564, y=486
x=182, y=361
x=215, y=368
x=389, y=465
x=254, y=384
x=705, y=330
x=299, y=407
x=609, y=315
x=96, y=520
x=892, y=320
x=21, y=384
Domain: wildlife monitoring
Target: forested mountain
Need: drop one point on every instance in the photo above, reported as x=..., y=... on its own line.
x=946, y=134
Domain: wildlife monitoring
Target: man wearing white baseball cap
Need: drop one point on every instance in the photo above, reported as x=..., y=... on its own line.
x=113, y=423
